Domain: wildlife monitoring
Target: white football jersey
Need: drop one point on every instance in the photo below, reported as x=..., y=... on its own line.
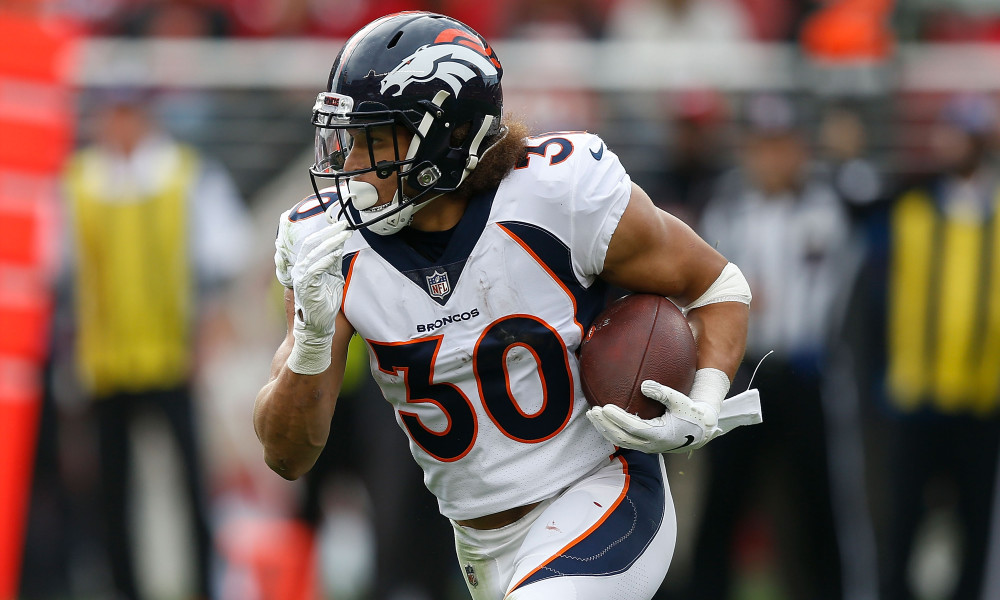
x=477, y=351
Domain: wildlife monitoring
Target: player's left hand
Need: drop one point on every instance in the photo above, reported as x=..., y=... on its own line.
x=687, y=424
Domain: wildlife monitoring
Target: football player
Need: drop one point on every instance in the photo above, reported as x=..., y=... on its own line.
x=471, y=258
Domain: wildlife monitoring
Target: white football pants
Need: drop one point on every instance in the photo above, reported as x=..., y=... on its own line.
x=609, y=536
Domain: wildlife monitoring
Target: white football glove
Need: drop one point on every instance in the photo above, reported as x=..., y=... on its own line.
x=689, y=423
x=319, y=288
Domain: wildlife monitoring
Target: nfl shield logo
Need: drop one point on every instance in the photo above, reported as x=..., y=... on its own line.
x=470, y=574
x=438, y=285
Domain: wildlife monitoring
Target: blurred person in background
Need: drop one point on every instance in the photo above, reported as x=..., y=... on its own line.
x=930, y=302
x=156, y=230
x=186, y=111
x=782, y=220
x=695, y=153
x=682, y=125
x=843, y=147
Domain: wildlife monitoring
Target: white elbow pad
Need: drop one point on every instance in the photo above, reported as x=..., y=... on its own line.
x=730, y=286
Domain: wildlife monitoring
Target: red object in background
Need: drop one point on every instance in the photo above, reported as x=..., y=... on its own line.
x=19, y=410
x=339, y=19
x=962, y=28
x=24, y=321
x=35, y=136
x=36, y=146
x=850, y=30
x=701, y=106
x=334, y=19
x=277, y=557
x=35, y=106
x=18, y=240
x=771, y=19
x=490, y=19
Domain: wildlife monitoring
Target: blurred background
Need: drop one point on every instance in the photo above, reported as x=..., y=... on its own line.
x=842, y=152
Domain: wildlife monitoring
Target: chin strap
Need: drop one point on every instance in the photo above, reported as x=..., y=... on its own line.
x=398, y=221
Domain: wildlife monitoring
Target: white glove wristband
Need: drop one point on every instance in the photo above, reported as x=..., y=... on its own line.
x=319, y=287
x=710, y=386
x=310, y=357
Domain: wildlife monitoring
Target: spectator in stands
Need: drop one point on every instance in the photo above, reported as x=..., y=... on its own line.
x=555, y=19
x=788, y=227
x=565, y=102
x=695, y=153
x=932, y=301
x=702, y=21
x=338, y=20
x=156, y=228
x=173, y=19
x=949, y=21
x=491, y=19
x=843, y=146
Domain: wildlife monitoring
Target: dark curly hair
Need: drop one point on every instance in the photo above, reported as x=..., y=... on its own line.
x=498, y=161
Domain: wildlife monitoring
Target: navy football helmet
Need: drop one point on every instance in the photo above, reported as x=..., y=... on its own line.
x=427, y=73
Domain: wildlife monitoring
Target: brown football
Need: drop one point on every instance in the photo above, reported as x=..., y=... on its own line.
x=637, y=337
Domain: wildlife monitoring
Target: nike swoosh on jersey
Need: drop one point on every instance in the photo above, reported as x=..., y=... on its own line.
x=599, y=154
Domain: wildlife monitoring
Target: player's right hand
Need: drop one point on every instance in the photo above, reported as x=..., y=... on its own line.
x=318, y=284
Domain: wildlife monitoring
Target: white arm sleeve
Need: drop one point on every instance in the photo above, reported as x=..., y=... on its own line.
x=730, y=286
